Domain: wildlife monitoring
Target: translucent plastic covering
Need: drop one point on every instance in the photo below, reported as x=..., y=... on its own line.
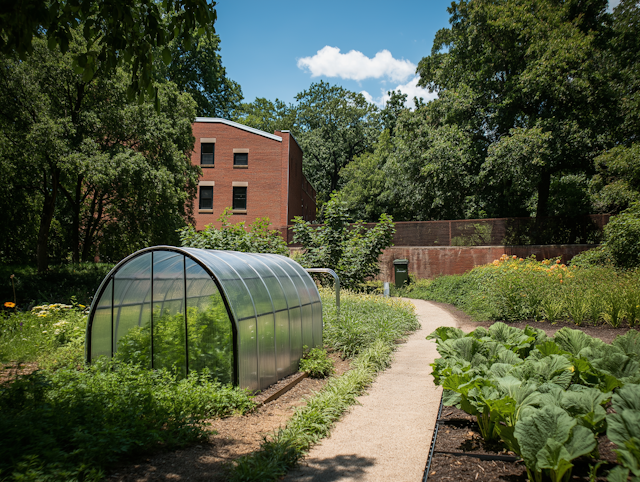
x=245, y=317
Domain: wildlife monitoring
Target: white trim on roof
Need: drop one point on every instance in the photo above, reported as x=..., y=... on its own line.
x=218, y=120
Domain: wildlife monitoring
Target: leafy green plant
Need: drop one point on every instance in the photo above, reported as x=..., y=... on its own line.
x=622, y=237
x=623, y=429
x=549, y=440
x=42, y=332
x=543, y=397
x=552, y=308
x=316, y=363
x=235, y=236
x=351, y=250
x=210, y=341
x=613, y=307
x=80, y=422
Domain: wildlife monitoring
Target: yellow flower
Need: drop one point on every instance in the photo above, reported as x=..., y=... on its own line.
x=9, y=304
x=571, y=369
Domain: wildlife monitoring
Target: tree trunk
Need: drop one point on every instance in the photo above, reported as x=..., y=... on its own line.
x=48, y=211
x=543, y=194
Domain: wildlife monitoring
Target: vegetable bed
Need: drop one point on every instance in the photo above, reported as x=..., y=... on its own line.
x=536, y=407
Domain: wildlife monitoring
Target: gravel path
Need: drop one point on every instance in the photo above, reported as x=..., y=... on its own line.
x=387, y=437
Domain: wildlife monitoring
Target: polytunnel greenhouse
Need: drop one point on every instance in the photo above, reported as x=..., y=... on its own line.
x=245, y=317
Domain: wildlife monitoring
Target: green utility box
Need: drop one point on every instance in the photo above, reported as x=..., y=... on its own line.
x=401, y=268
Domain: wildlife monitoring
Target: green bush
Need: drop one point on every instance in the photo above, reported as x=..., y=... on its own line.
x=512, y=289
x=317, y=363
x=599, y=256
x=622, y=237
x=235, y=237
x=58, y=285
x=81, y=422
x=351, y=250
x=51, y=334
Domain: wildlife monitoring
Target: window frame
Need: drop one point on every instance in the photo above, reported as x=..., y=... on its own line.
x=236, y=162
x=201, y=188
x=213, y=154
x=235, y=208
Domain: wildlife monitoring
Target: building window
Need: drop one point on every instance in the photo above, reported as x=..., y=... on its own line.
x=239, y=198
x=206, y=197
x=206, y=154
x=240, y=158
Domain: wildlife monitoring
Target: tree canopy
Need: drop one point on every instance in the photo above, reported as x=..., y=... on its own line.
x=92, y=170
x=114, y=30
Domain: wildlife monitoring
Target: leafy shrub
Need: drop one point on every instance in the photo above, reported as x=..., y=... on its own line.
x=622, y=237
x=317, y=363
x=234, y=236
x=84, y=421
x=599, y=256
x=350, y=250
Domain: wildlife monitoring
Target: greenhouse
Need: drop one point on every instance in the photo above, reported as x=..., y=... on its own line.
x=244, y=317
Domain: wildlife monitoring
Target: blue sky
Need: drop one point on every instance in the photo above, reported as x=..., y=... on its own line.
x=271, y=48
x=277, y=49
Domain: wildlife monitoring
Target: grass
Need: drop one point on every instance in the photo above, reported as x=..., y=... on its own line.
x=366, y=330
x=514, y=289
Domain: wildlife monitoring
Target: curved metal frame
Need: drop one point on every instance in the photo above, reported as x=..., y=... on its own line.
x=244, y=272
x=111, y=276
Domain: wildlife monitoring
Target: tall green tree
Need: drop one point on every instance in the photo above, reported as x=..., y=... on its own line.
x=334, y=126
x=93, y=162
x=534, y=70
x=267, y=116
x=198, y=70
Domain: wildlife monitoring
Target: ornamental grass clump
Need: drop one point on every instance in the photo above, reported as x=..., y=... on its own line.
x=544, y=398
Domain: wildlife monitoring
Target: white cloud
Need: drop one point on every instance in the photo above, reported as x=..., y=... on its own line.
x=355, y=65
x=369, y=98
x=613, y=4
x=411, y=88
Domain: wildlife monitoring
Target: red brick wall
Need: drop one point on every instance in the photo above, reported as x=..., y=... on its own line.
x=264, y=174
x=430, y=262
x=302, y=196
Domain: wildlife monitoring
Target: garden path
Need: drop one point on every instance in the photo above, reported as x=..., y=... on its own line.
x=387, y=436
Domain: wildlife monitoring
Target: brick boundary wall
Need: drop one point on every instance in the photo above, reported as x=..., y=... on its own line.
x=433, y=261
x=491, y=231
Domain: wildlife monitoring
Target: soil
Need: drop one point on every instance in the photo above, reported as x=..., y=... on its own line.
x=458, y=433
x=229, y=439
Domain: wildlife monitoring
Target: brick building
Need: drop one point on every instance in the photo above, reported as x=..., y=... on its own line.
x=254, y=173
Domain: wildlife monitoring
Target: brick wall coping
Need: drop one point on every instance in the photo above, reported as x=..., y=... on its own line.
x=218, y=120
